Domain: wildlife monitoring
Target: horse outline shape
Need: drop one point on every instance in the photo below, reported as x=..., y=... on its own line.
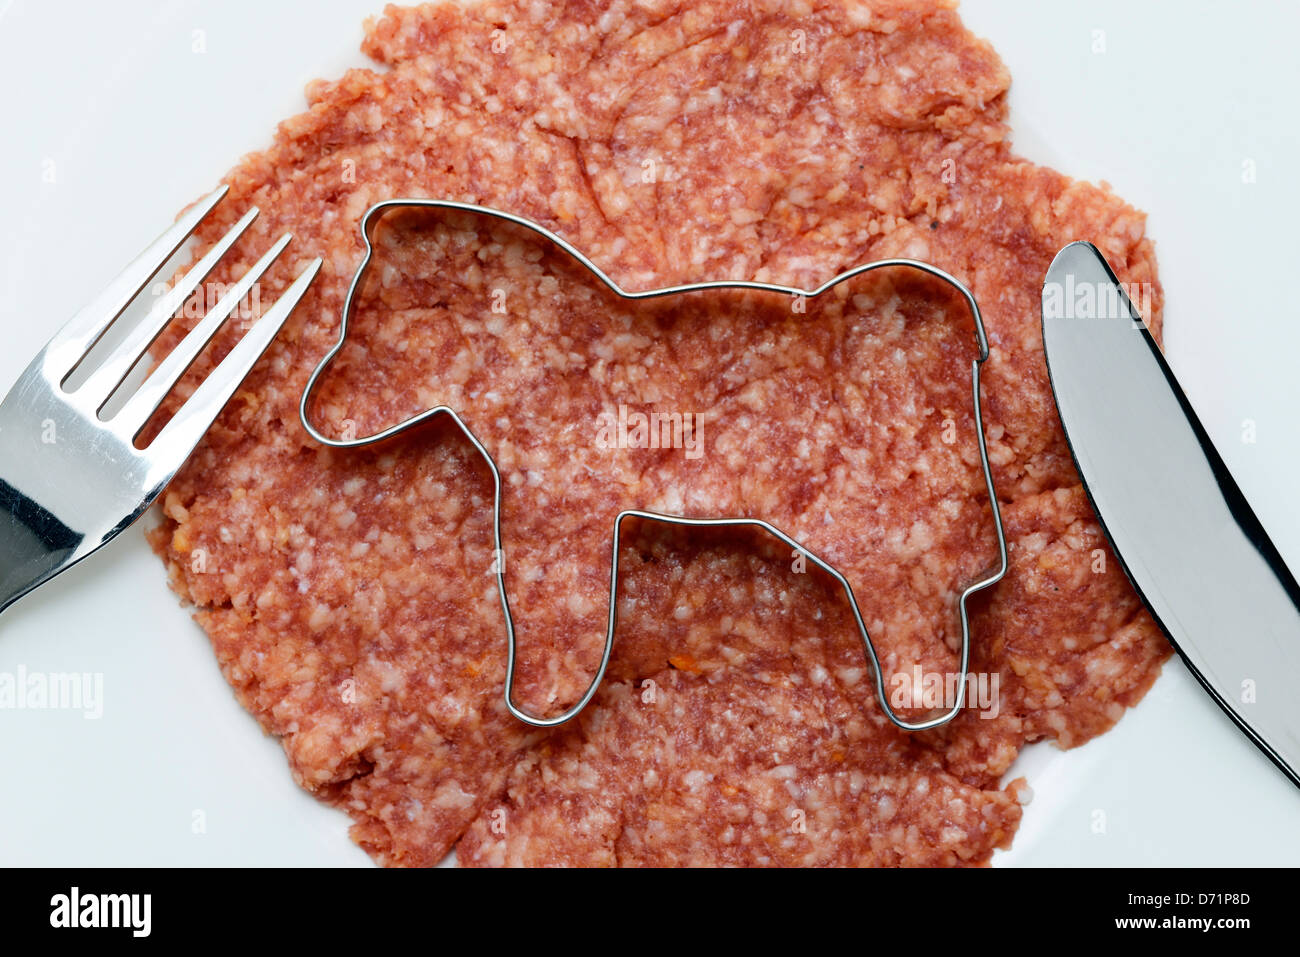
x=989, y=578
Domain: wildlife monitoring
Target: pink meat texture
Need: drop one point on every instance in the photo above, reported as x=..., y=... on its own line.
x=348, y=594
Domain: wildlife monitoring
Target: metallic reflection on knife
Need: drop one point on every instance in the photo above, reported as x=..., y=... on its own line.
x=1181, y=528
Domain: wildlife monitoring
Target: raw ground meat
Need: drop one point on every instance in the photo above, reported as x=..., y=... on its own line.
x=347, y=593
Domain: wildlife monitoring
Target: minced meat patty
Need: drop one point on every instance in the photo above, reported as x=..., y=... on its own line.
x=347, y=593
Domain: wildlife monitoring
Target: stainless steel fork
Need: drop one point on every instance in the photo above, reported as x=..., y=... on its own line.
x=71, y=478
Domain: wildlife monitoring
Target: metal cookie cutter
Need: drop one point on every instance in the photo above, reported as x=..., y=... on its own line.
x=991, y=577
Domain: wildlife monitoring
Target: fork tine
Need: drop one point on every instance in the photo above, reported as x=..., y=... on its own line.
x=95, y=391
x=138, y=409
x=82, y=331
x=179, y=436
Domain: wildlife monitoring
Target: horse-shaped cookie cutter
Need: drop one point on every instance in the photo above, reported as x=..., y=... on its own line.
x=986, y=580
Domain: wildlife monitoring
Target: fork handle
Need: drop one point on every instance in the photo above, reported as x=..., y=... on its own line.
x=34, y=545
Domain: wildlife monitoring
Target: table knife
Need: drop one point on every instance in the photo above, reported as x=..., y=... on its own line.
x=1176, y=520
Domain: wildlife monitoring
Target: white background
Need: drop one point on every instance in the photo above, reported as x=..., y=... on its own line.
x=136, y=125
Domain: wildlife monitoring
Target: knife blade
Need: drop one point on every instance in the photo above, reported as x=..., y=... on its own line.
x=1176, y=520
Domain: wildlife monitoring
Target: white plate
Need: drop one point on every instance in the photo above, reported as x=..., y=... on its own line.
x=113, y=103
